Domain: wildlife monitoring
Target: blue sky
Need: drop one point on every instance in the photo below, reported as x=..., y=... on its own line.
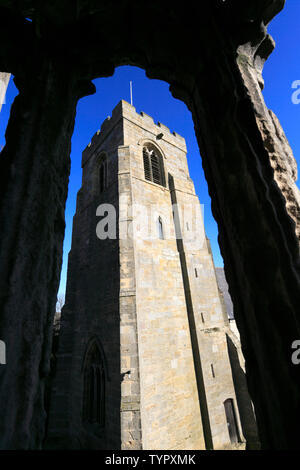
x=153, y=97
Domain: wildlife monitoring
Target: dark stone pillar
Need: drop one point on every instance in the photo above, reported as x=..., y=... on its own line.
x=34, y=169
x=257, y=240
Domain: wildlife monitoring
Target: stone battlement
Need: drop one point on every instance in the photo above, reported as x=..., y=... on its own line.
x=125, y=110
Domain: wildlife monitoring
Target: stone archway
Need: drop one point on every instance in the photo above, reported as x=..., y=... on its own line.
x=211, y=55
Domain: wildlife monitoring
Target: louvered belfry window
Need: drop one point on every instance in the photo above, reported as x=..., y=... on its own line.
x=153, y=165
x=94, y=387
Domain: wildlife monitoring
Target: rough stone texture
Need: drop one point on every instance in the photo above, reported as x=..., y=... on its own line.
x=197, y=50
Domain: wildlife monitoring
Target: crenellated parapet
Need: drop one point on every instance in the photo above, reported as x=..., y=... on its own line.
x=142, y=119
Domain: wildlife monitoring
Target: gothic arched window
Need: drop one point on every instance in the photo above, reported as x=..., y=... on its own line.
x=94, y=387
x=103, y=175
x=153, y=165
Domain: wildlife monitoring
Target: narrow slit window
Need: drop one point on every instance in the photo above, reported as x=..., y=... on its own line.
x=212, y=370
x=160, y=229
x=196, y=272
x=103, y=176
x=202, y=317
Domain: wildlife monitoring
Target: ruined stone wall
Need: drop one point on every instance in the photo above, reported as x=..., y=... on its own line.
x=250, y=60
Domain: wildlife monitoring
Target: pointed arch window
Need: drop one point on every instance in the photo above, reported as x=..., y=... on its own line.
x=94, y=387
x=153, y=165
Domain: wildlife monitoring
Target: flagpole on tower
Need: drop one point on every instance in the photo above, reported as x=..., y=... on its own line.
x=131, y=93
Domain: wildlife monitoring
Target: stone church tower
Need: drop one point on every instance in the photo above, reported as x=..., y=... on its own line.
x=143, y=359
